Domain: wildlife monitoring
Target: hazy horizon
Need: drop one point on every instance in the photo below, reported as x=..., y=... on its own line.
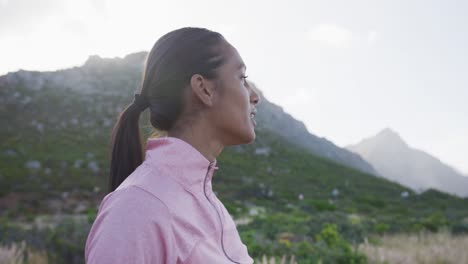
x=347, y=70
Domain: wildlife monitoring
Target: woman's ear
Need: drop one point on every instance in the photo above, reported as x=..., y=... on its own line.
x=203, y=89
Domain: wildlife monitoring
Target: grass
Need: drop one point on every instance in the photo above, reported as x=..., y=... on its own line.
x=272, y=260
x=19, y=253
x=427, y=248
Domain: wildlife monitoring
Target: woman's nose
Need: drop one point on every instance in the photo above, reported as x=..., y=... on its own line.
x=254, y=97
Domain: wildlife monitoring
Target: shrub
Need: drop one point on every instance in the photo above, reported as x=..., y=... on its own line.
x=435, y=221
x=332, y=248
x=381, y=228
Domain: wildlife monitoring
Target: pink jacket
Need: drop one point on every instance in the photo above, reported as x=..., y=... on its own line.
x=165, y=212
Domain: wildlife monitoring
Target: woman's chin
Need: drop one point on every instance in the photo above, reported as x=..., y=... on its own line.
x=251, y=136
x=246, y=138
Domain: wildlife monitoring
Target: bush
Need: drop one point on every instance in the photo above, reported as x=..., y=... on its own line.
x=381, y=228
x=332, y=248
x=323, y=206
x=329, y=247
x=434, y=222
x=63, y=244
x=67, y=241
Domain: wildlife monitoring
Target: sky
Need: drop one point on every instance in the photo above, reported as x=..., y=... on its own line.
x=347, y=69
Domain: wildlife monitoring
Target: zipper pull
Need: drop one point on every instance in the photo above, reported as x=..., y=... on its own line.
x=212, y=166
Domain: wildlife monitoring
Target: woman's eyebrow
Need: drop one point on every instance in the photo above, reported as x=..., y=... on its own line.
x=242, y=65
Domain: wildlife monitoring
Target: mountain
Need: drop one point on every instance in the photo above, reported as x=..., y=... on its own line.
x=54, y=153
x=105, y=76
x=97, y=76
x=273, y=118
x=395, y=160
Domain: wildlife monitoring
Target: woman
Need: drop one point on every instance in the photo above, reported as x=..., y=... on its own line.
x=162, y=209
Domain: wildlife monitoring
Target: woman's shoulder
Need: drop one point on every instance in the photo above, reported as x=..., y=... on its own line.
x=151, y=178
x=133, y=198
x=131, y=225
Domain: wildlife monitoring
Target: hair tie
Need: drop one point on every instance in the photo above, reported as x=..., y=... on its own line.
x=141, y=102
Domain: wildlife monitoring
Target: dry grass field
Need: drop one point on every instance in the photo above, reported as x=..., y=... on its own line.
x=424, y=248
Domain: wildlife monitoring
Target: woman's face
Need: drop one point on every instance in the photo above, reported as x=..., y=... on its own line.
x=235, y=100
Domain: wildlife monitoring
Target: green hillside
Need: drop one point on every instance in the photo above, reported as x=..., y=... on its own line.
x=53, y=160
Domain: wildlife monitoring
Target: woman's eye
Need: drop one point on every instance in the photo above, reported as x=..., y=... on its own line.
x=244, y=77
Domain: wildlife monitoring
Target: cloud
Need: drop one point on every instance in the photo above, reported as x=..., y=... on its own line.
x=24, y=17
x=20, y=16
x=331, y=35
x=371, y=37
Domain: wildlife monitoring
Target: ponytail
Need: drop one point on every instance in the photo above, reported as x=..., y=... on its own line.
x=126, y=145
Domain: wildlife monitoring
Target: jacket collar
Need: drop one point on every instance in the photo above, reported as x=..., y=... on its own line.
x=181, y=161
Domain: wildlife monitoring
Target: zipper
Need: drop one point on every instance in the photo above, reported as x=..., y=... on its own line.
x=219, y=216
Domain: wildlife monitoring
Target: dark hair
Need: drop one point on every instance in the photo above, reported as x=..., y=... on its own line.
x=172, y=61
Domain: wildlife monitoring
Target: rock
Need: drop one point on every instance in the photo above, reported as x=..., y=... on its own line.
x=26, y=100
x=269, y=170
x=107, y=122
x=74, y=121
x=80, y=208
x=54, y=205
x=77, y=164
x=38, y=125
x=93, y=166
x=262, y=151
x=335, y=192
x=247, y=180
x=256, y=210
x=65, y=195
x=242, y=221
x=33, y=165
x=10, y=153
x=253, y=211
x=270, y=193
